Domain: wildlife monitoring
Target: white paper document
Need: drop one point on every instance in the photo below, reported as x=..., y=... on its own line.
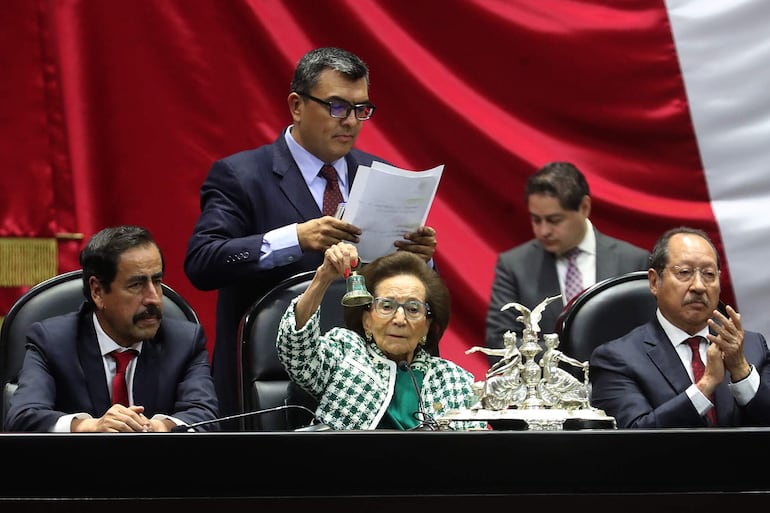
x=387, y=202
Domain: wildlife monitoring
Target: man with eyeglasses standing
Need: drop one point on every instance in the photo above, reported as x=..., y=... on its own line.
x=268, y=213
x=691, y=366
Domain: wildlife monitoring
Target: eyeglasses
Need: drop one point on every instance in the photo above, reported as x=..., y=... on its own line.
x=685, y=274
x=413, y=310
x=341, y=109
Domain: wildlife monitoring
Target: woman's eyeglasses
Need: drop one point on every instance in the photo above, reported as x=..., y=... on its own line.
x=413, y=310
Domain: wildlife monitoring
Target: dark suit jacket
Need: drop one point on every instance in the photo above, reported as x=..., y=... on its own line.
x=63, y=373
x=640, y=380
x=527, y=275
x=244, y=196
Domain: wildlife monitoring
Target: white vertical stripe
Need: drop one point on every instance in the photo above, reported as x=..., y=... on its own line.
x=724, y=53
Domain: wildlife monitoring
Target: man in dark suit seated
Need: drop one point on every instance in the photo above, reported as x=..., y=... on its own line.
x=70, y=380
x=691, y=366
x=263, y=211
x=559, y=204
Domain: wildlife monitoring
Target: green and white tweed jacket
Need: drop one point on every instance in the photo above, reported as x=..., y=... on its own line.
x=354, y=380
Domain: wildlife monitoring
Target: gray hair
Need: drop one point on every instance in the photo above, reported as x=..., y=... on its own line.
x=314, y=62
x=659, y=256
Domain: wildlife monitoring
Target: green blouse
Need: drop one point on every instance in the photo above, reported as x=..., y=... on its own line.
x=404, y=404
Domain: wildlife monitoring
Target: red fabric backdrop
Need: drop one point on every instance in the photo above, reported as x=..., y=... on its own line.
x=112, y=112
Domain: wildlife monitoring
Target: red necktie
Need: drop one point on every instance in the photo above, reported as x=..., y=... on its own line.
x=119, y=386
x=697, y=371
x=332, y=194
x=573, y=281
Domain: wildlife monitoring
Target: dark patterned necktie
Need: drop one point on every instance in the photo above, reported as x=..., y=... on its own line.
x=332, y=194
x=697, y=371
x=119, y=385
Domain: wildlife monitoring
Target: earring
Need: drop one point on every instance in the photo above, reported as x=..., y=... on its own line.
x=368, y=336
x=423, y=340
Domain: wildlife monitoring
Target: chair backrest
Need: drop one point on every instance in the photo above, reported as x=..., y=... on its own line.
x=56, y=296
x=263, y=381
x=605, y=311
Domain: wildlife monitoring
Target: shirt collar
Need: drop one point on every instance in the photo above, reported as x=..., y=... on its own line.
x=107, y=344
x=676, y=335
x=309, y=164
x=588, y=244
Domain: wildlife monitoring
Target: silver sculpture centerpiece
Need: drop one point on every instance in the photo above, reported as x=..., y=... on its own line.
x=522, y=392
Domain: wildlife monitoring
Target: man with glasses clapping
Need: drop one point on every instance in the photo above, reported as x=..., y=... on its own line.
x=691, y=365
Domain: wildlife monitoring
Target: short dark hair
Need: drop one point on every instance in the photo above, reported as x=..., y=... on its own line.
x=561, y=180
x=101, y=255
x=314, y=62
x=659, y=258
x=436, y=292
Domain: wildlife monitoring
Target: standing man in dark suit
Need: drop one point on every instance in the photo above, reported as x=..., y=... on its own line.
x=261, y=210
x=648, y=378
x=66, y=380
x=559, y=204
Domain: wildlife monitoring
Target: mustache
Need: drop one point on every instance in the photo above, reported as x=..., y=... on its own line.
x=152, y=311
x=696, y=298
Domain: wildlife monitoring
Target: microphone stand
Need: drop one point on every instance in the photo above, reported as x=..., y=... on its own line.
x=190, y=428
x=427, y=422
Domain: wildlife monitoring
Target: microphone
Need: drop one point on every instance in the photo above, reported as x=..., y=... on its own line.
x=190, y=428
x=427, y=422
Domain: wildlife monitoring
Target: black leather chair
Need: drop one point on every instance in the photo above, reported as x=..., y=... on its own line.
x=605, y=311
x=264, y=383
x=56, y=296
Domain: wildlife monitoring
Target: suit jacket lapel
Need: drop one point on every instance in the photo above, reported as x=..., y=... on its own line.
x=607, y=260
x=725, y=403
x=546, y=284
x=293, y=184
x=352, y=169
x=146, y=374
x=547, y=279
x=291, y=181
x=665, y=358
x=92, y=363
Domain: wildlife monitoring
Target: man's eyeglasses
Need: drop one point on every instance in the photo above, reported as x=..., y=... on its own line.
x=413, y=310
x=686, y=274
x=341, y=109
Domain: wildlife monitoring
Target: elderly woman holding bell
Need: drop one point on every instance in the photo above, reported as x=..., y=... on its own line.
x=377, y=372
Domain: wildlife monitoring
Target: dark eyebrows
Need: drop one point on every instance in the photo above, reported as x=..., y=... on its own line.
x=337, y=98
x=143, y=278
x=552, y=219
